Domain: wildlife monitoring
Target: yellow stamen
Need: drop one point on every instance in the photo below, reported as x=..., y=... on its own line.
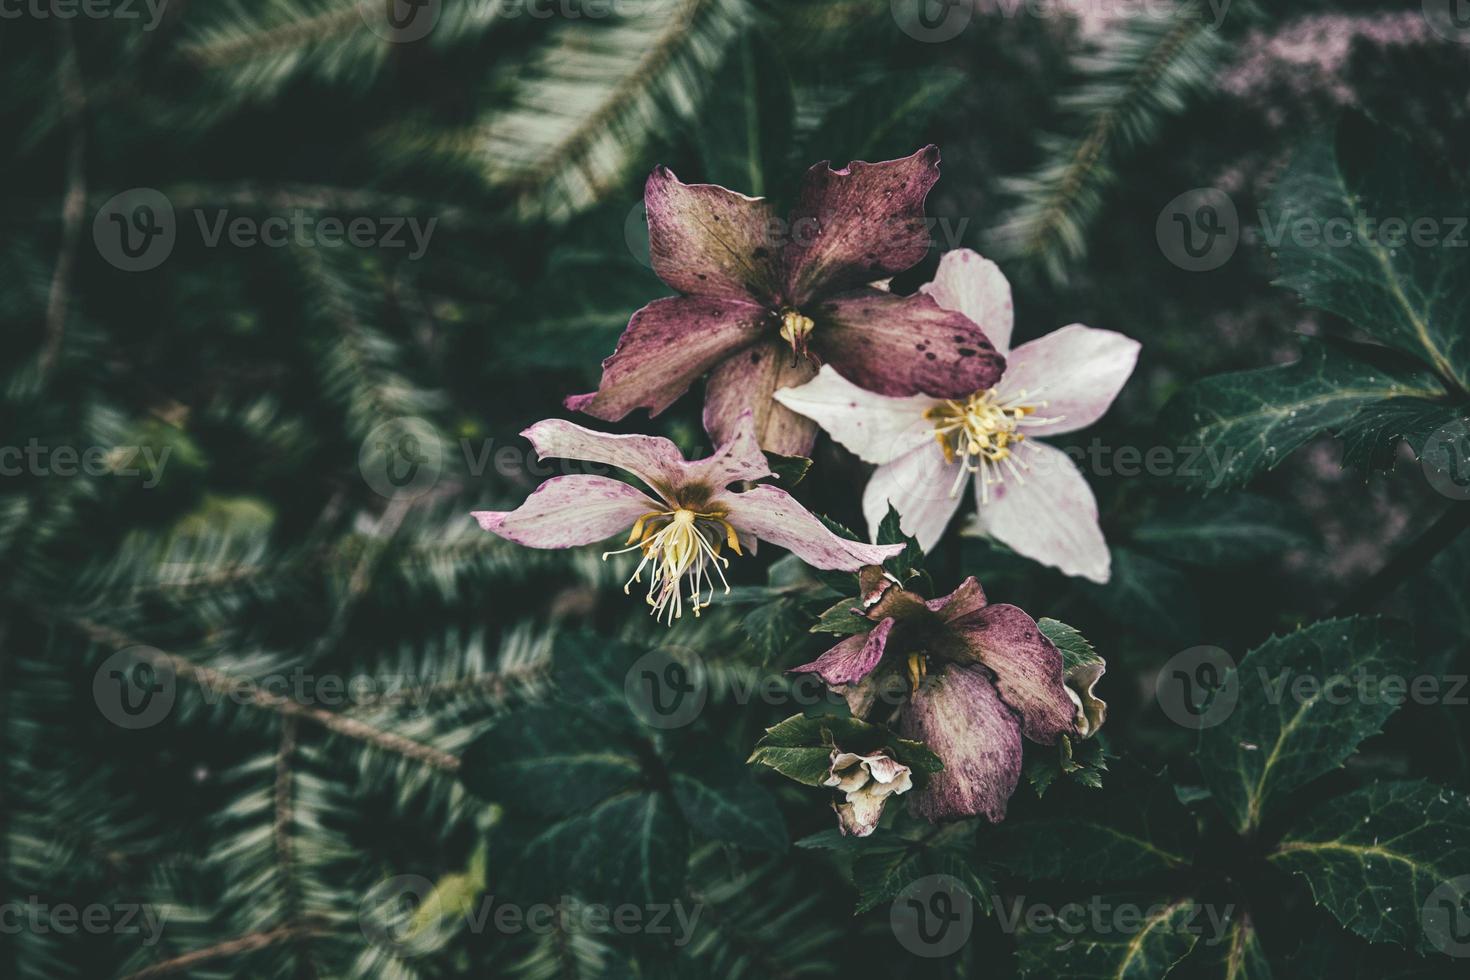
x=795, y=329
x=678, y=543
x=918, y=669
x=984, y=432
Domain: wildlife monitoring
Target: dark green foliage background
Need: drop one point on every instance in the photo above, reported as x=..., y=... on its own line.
x=260, y=828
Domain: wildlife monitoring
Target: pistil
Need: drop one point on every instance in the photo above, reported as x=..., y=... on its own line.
x=676, y=544
x=795, y=329
x=983, y=431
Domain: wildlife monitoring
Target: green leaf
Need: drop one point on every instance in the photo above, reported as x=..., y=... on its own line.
x=1391, y=861
x=772, y=626
x=721, y=801
x=788, y=470
x=908, y=565
x=843, y=619
x=1149, y=596
x=1285, y=732
x=881, y=873
x=1237, y=955
x=631, y=848
x=1371, y=438
x=1134, y=827
x=548, y=760
x=883, y=119
x=1145, y=948
x=1411, y=294
x=1235, y=529
x=1075, y=650
x=746, y=120
x=800, y=747
x=1247, y=422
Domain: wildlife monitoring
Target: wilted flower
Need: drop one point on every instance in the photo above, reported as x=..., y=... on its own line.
x=975, y=678
x=1092, y=711
x=1029, y=495
x=763, y=303
x=683, y=530
x=866, y=782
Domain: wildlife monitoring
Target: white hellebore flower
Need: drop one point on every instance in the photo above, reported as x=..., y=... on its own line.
x=1030, y=496
x=867, y=781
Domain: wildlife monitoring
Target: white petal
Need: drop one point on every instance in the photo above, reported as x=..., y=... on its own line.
x=919, y=486
x=1077, y=371
x=1049, y=514
x=976, y=287
x=876, y=427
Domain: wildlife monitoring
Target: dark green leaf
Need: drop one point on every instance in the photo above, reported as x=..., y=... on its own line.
x=746, y=130
x=721, y=801
x=788, y=470
x=1371, y=438
x=1149, y=596
x=1237, y=528
x=1391, y=861
x=772, y=626
x=843, y=619
x=1075, y=650
x=1237, y=955
x=884, y=119
x=1305, y=701
x=1141, y=938
x=801, y=747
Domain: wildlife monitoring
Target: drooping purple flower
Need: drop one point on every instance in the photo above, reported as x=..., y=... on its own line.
x=972, y=679
x=1028, y=495
x=684, y=527
x=763, y=303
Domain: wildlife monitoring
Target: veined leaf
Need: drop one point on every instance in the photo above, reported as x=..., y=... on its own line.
x=1160, y=934
x=1234, y=529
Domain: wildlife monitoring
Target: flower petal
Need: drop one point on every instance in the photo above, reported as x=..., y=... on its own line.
x=1092, y=710
x=1027, y=668
x=773, y=515
x=975, y=286
x=858, y=224
x=918, y=486
x=747, y=382
x=738, y=458
x=964, y=600
x=904, y=345
x=875, y=427
x=1076, y=372
x=705, y=240
x=851, y=660
x=568, y=511
x=668, y=344
x=1050, y=518
x=653, y=459
x=959, y=716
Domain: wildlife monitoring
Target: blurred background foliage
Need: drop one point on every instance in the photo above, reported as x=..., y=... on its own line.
x=264, y=372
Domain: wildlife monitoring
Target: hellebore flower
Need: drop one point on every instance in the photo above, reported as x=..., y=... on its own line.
x=1029, y=495
x=971, y=679
x=866, y=781
x=764, y=302
x=683, y=529
x=1092, y=711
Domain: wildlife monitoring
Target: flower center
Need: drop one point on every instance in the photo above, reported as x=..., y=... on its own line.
x=984, y=432
x=795, y=329
x=677, y=544
x=918, y=668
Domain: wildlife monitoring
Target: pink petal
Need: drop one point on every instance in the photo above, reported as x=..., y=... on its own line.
x=568, y=511
x=1075, y=371
x=851, y=660
x=705, y=240
x=738, y=458
x=1027, y=668
x=958, y=715
x=976, y=287
x=918, y=485
x=1051, y=517
x=877, y=428
x=746, y=382
x=903, y=345
x=668, y=344
x=773, y=515
x=858, y=224
x=963, y=601
x=653, y=459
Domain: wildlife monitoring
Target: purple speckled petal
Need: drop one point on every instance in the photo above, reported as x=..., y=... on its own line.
x=746, y=382
x=903, y=345
x=968, y=598
x=1027, y=668
x=568, y=511
x=875, y=427
x=668, y=344
x=1074, y=372
x=976, y=287
x=738, y=458
x=653, y=459
x=959, y=716
x=851, y=660
x=773, y=515
x=705, y=240
x=1051, y=518
x=858, y=224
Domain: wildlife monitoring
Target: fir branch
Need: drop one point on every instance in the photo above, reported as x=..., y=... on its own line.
x=73, y=101
x=230, y=948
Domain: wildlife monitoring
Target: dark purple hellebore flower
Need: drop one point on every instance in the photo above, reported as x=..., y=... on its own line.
x=978, y=678
x=764, y=303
